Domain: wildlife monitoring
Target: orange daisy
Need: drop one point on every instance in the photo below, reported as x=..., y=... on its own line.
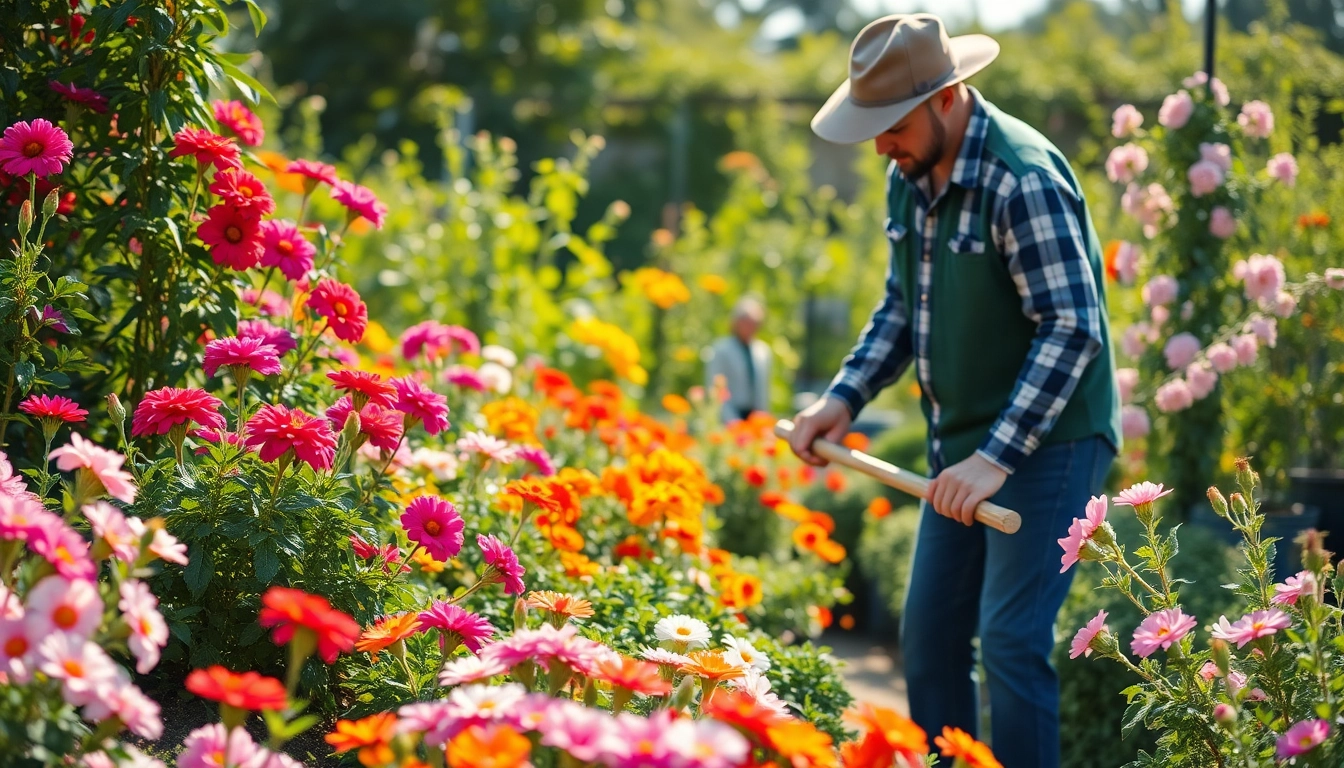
x=427, y=562
x=955, y=743
x=898, y=733
x=387, y=631
x=633, y=675
x=577, y=565
x=831, y=551
x=370, y=735
x=560, y=604
x=802, y=744
x=492, y=746
x=711, y=665
x=809, y=535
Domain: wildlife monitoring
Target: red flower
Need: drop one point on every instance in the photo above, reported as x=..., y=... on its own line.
x=382, y=426
x=291, y=611
x=284, y=246
x=755, y=476
x=364, y=386
x=207, y=147
x=86, y=96
x=421, y=404
x=359, y=201
x=249, y=690
x=278, y=430
x=248, y=352
x=242, y=190
x=234, y=236
x=161, y=410
x=53, y=407
x=239, y=119
x=341, y=306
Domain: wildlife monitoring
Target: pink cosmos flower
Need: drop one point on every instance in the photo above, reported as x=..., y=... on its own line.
x=1266, y=329
x=1081, y=530
x=278, y=430
x=102, y=464
x=1160, y=291
x=502, y=562
x=62, y=547
x=54, y=407
x=1181, y=350
x=462, y=338
x=346, y=314
x=1126, y=162
x=434, y=524
x=1222, y=224
x=1125, y=121
x=1256, y=119
x=1134, y=422
x=360, y=202
x=137, y=711
x=243, y=191
x=456, y=626
x=487, y=445
x=707, y=743
x=284, y=246
x=78, y=95
x=314, y=171
x=382, y=427
x=1150, y=205
x=1263, y=275
x=80, y=665
x=364, y=387
x=650, y=742
x=36, y=147
x=1205, y=178
x=465, y=377
x=163, y=409
x=1303, y=584
x=246, y=352
x=1126, y=380
x=537, y=457
x=1251, y=626
x=149, y=633
x=585, y=733
x=1222, y=357
x=421, y=404
x=58, y=605
x=1247, y=347
x=339, y=353
x=1135, y=339
x=1173, y=396
x=163, y=544
x=1302, y=738
x=1141, y=493
x=18, y=649
x=241, y=120
x=470, y=669
x=11, y=484
x=110, y=525
x=207, y=148
x=1284, y=168
x=1176, y=110
x=22, y=514
x=233, y=235
x=1127, y=261
x=213, y=746
x=466, y=706
x=1201, y=379
x=1161, y=630
x=268, y=303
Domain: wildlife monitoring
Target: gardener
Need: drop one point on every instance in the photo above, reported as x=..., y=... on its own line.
x=994, y=291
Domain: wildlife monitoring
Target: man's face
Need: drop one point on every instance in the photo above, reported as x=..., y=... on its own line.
x=745, y=327
x=916, y=143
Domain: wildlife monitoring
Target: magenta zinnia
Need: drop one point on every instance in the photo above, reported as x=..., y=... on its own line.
x=346, y=314
x=242, y=190
x=36, y=147
x=502, y=562
x=281, y=339
x=284, y=246
x=207, y=147
x=250, y=353
x=276, y=430
x=359, y=201
x=239, y=119
x=456, y=626
x=1302, y=738
x=162, y=409
x=364, y=387
x=421, y=404
x=53, y=407
x=434, y=524
x=311, y=169
x=1161, y=630
x=86, y=96
x=233, y=235
x=381, y=426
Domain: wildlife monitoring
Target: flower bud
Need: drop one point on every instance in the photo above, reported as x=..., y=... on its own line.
x=685, y=692
x=1219, y=503
x=115, y=409
x=1222, y=655
x=519, y=615
x=1091, y=551
x=25, y=219
x=1239, y=506
x=1246, y=477
x=1105, y=644
x=1314, y=556
x=350, y=430
x=1104, y=536
x=50, y=204
x=1145, y=513
x=1224, y=714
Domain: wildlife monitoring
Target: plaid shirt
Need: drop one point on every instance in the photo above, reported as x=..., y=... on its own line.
x=1041, y=240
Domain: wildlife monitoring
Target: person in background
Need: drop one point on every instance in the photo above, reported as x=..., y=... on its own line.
x=743, y=362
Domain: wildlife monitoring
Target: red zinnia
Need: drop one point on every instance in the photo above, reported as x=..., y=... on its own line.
x=278, y=430
x=53, y=407
x=249, y=690
x=36, y=147
x=346, y=314
x=292, y=610
x=421, y=404
x=207, y=147
x=239, y=119
x=284, y=246
x=163, y=409
x=245, y=352
x=234, y=236
x=311, y=169
x=364, y=387
x=359, y=201
x=242, y=190
x=382, y=426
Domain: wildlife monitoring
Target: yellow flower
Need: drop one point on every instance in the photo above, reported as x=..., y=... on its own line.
x=513, y=419
x=664, y=289
x=619, y=348
x=713, y=284
x=427, y=562
x=376, y=338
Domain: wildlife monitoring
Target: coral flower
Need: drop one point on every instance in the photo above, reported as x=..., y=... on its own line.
x=285, y=247
x=364, y=387
x=1252, y=626
x=711, y=665
x=149, y=632
x=163, y=409
x=956, y=744
x=207, y=147
x=489, y=746
x=292, y=611
x=360, y=202
x=456, y=626
x=562, y=605
x=887, y=733
x=1082, y=642
x=242, y=190
x=281, y=339
x=420, y=404
x=434, y=524
x=1161, y=630
x=109, y=524
x=502, y=562
x=81, y=665
x=741, y=709
x=345, y=312
x=803, y=744
x=633, y=675
x=102, y=464
x=278, y=430
x=241, y=120
x=388, y=630
x=371, y=735
x=36, y=147
x=1302, y=738
x=250, y=691
x=808, y=536
x=233, y=235
x=53, y=407
x=314, y=171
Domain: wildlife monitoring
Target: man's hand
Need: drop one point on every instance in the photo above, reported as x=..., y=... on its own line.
x=828, y=418
x=960, y=488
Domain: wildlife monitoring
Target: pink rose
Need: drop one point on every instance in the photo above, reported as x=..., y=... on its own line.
x=1134, y=422
x=1334, y=278
x=1284, y=168
x=1222, y=357
x=1134, y=340
x=1201, y=379
x=1127, y=261
x=1222, y=224
x=1181, y=350
x=1160, y=290
x=1264, y=276
x=1219, y=154
x=1256, y=119
x=1125, y=162
x=1159, y=316
x=1284, y=304
x=1151, y=206
x=1125, y=121
x=1176, y=110
x=1266, y=329
x=1220, y=95
x=1125, y=380
x=1205, y=178
x=1247, y=348
x=1173, y=396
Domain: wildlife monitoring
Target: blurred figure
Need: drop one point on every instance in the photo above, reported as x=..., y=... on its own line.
x=743, y=363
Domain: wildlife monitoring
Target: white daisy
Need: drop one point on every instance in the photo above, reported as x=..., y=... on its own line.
x=470, y=669
x=740, y=653
x=485, y=701
x=496, y=377
x=752, y=683
x=683, y=630
x=497, y=354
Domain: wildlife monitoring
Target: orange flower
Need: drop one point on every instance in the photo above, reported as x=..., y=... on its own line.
x=808, y=536
x=512, y=418
x=388, y=630
x=719, y=556
x=711, y=666
x=632, y=546
x=489, y=746
x=824, y=520
x=564, y=537
x=831, y=551
x=855, y=441
x=956, y=743
x=772, y=499
x=835, y=481
x=802, y=744
x=427, y=562
x=371, y=736
x=249, y=690
x=1315, y=219
x=560, y=604
x=847, y=621
x=894, y=732
x=534, y=491
x=741, y=709
x=821, y=613
x=741, y=591
x=580, y=482
x=577, y=565
x=633, y=675
x=713, y=284
x=1108, y=259
x=676, y=404
x=879, y=508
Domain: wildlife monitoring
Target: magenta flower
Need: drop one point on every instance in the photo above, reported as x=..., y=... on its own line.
x=346, y=314
x=99, y=463
x=1141, y=493
x=434, y=524
x=62, y=547
x=207, y=147
x=1080, y=532
x=233, y=236
x=503, y=564
x=54, y=318
x=420, y=404
x=86, y=96
x=1082, y=642
x=537, y=457
x=465, y=377
x=268, y=303
x=36, y=147
x=429, y=336
x=1301, y=585
x=456, y=626
x=585, y=733
x=1161, y=630
x=359, y=201
x=241, y=120
x=313, y=171
x=53, y=407
x=364, y=387
x=284, y=246
x=242, y=190
x=278, y=430
x=381, y=426
x=1302, y=738
x=281, y=339
x=162, y=409
x=1251, y=626
x=246, y=353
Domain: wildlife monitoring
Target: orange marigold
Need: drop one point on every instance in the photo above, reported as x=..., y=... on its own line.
x=879, y=508
x=578, y=565
x=795, y=512
x=564, y=537
x=489, y=746
x=741, y=709
x=835, y=481
x=855, y=441
x=955, y=743
x=824, y=520
x=371, y=735
x=534, y=491
x=740, y=590
x=388, y=630
x=633, y=675
x=831, y=551
x=894, y=732
x=676, y=404
x=711, y=665
x=802, y=744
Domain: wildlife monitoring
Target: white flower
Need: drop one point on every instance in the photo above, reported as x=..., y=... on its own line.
x=682, y=629
x=485, y=701
x=470, y=669
x=441, y=464
x=740, y=653
x=496, y=377
x=664, y=656
x=774, y=703
x=497, y=354
x=752, y=683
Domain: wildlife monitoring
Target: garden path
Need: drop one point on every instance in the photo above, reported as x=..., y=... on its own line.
x=871, y=672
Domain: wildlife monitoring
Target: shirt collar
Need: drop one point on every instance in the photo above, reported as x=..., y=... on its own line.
x=966, y=171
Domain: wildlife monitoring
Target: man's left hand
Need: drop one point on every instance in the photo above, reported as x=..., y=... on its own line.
x=960, y=488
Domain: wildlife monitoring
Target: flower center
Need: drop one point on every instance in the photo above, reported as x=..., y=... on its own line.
x=65, y=617
x=247, y=191
x=63, y=554
x=285, y=246
x=433, y=528
x=683, y=631
x=233, y=233
x=342, y=309
x=1163, y=632
x=33, y=149
x=145, y=628
x=16, y=646
x=73, y=668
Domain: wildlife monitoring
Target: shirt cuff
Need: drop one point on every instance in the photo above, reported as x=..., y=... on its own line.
x=998, y=460
x=847, y=394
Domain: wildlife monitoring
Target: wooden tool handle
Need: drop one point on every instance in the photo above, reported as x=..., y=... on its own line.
x=992, y=515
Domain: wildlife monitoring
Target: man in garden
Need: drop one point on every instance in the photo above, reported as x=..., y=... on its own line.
x=743, y=361
x=994, y=291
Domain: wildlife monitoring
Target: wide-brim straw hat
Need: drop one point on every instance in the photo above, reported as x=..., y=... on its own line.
x=895, y=64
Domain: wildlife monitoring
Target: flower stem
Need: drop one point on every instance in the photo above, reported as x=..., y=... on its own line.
x=264, y=282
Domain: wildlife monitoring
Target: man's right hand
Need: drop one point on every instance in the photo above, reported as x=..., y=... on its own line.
x=828, y=418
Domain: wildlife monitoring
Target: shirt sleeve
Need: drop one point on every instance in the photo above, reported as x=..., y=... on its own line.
x=1044, y=248
x=882, y=354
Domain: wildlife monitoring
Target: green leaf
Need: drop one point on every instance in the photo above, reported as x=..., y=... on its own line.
x=258, y=17
x=251, y=88
x=199, y=569
x=24, y=371
x=265, y=562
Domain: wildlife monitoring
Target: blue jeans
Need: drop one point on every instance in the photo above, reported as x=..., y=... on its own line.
x=969, y=581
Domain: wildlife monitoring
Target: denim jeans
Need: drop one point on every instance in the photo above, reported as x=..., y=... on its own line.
x=1007, y=589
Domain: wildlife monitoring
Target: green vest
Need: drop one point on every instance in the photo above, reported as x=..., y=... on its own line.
x=979, y=338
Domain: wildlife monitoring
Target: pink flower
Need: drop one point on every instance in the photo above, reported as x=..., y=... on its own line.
x=62, y=547
x=80, y=665
x=346, y=313
x=1160, y=291
x=1135, y=339
x=163, y=544
x=456, y=626
x=103, y=464
x=1266, y=329
x=11, y=484
x=1082, y=642
x=1302, y=738
x=359, y=201
x=1125, y=121
x=1141, y=493
x=420, y=404
x=1256, y=119
x=1217, y=153
x=314, y=171
x=1201, y=379
x=1208, y=671
x=18, y=649
x=502, y=562
x=284, y=246
x=1160, y=315
x=239, y=119
x=1222, y=224
x=207, y=148
x=1205, y=178
x=54, y=407
x=1247, y=347
x=537, y=457
x=58, y=605
x=139, y=712
x=86, y=96
x=1126, y=380
x=243, y=191
x=1125, y=162
x=1151, y=206
x=278, y=430
x=233, y=235
x=149, y=633
x=1301, y=585
x=110, y=525
x=163, y=409
x=213, y=746
x=1251, y=626
x=1222, y=357
x=381, y=426
x=585, y=733
x=1080, y=532
x=36, y=147
x=268, y=303
x=1127, y=261
x=1284, y=304
x=1264, y=276
x=244, y=352
x=434, y=524
x=21, y=515
x=54, y=317
x=437, y=340
x=1199, y=79
x=365, y=387
x=470, y=669
x=281, y=339
x=1134, y=423
x=465, y=377
x=487, y=445
x=1160, y=630
x=1284, y=168
x=1176, y=110
x=1334, y=278
x=1180, y=350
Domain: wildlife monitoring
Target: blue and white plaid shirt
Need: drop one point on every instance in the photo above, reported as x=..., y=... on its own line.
x=1041, y=239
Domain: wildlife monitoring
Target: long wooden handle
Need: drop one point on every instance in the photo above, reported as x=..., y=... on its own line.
x=992, y=515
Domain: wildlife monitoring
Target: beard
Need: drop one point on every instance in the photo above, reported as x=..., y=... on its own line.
x=925, y=162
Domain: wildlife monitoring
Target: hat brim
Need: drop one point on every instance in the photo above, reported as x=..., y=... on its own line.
x=841, y=121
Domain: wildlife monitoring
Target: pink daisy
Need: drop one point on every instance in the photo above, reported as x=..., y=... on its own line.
x=1302, y=738
x=163, y=409
x=284, y=246
x=18, y=649
x=1251, y=626
x=364, y=387
x=62, y=547
x=1141, y=493
x=421, y=404
x=111, y=526
x=1301, y=585
x=1082, y=642
x=207, y=147
x=20, y=515
x=470, y=669
x=53, y=407
x=584, y=733
x=537, y=457
x=214, y=746
x=86, y=96
x=149, y=633
x=58, y=605
x=429, y=337
x=313, y=171
x=36, y=147
x=241, y=354
x=138, y=712
x=102, y=464
x=434, y=524
x=11, y=484
x=241, y=120
x=80, y=665
x=462, y=338
x=487, y=445
x=502, y=562
x=1161, y=630
x=1081, y=530
x=281, y=339
x=233, y=235
x=346, y=313
x=163, y=545
x=276, y=430
x=465, y=377
x=456, y=626
x=359, y=201
x=381, y=426
x=242, y=190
